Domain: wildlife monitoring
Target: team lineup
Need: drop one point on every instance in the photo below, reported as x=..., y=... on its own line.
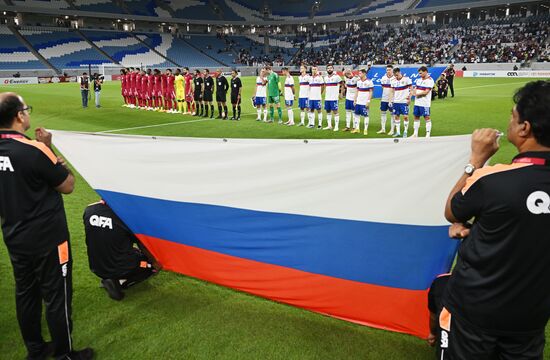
x=183, y=93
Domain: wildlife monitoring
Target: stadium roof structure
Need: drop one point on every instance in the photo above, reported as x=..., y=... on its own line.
x=240, y=12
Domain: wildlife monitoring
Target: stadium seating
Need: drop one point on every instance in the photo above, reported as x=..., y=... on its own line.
x=63, y=48
x=128, y=50
x=431, y=3
x=219, y=48
x=14, y=55
x=49, y=4
x=379, y=6
x=196, y=9
x=107, y=6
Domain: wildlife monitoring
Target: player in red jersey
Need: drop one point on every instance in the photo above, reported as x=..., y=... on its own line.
x=149, y=90
x=157, y=90
x=136, y=91
x=143, y=90
x=130, y=86
x=189, y=99
x=170, y=92
x=123, y=86
x=163, y=92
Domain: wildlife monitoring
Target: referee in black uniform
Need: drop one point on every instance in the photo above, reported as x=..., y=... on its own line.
x=198, y=82
x=236, y=87
x=207, y=93
x=35, y=231
x=497, y=300
x=221, y=95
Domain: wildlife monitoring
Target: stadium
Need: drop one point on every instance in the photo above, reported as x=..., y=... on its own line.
x=284, y=229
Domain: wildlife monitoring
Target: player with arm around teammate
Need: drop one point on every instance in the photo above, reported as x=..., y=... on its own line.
x=260, y=99
x=351, y=91
x=400, y=97
x=423, y=101
x=332, y=94
x=385, y=105
x=316, y=86
x=365, y=88
x=289, y=96
x=303, y=95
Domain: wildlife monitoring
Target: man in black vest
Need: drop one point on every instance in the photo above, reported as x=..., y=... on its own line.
x=221, y=95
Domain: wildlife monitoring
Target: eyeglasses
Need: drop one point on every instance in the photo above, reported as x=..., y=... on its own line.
x=27, y=109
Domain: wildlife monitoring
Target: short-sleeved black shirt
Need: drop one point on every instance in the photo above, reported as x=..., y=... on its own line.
x=236, y=84
x=198, y=84
x=31, y=210
x=110, y=243
x=208, y=84
x=221, y=84
x=501, y=281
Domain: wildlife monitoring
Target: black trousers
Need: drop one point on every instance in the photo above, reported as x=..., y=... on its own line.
x=463, y=341
x=451, y=86
x=45, y=277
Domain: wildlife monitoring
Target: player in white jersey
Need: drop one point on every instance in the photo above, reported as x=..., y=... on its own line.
x=303, y=95
x=384, y=102
x=332, y=94
x=289, y=95
x=363, y=96
x=316, y=88
x=351, y=90
x=423, y=100
x=400, y=97
x=260, y=100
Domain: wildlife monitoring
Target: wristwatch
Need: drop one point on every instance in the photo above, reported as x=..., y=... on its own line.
x=469, y=169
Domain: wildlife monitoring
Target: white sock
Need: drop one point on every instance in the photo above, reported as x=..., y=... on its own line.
x=416, y=126
x=405, y=126
x=383, y=119
x=393, y=122
x=311, y=119
x=428, y=128
x=398, y=126
x=259, y=113
x=348, y=119
x=329, y=119
x=302, y=117
x=336, y=121
x=320, y=115
x=356, y=121
x=265, y=114
x=366, y=123
x=291, y=116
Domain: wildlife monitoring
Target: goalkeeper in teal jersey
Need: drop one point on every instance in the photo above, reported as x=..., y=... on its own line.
x=273, y=92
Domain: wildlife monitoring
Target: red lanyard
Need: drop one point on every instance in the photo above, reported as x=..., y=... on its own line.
x=11, y=136
x=530, y=160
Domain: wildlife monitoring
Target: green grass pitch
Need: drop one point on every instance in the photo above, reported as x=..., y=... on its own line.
x=175, y=317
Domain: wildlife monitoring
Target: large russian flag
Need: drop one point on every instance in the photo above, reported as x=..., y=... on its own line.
x=349, y=228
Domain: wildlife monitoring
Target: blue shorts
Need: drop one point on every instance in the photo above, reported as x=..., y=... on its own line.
x=400, y=109
x=349, y=105
x=331, y=105
x=314, y=104
x=302, y=103
x=289, y=102
x=419, y=111
x=361, y=110
x=260, y=101
x=385, y=106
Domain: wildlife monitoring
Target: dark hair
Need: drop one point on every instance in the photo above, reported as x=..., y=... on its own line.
x=396, y=70
x=84, y=74
x=284, y=69
x=533, y=105
x=197, y=71
x=169, y=70
x=364, y=71
x=207, y=71
x=235, y=71
x=389, y=66
x=423, y=68
x=186, y=68
x=10, y=106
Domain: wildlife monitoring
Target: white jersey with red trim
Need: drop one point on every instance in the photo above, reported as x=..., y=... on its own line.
x=304, y=86
x=363, y=91
x=332, y=87
x=402, y=89
x=351, y=88
x=289, y=84
x=422, y=85
x=315, y=86
x=386, y=87
x=261, y=88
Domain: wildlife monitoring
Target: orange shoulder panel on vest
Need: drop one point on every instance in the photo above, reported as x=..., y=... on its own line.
x=488, y=170
x=40, y=146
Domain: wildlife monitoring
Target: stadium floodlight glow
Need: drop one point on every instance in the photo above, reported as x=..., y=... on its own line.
x=188, y=27
x=376, y=22
x=209, y=28
x=507, y=11
x=433, y=18
x=468, y=15
x=118, y=20
x=66, y=17
x=252, y=30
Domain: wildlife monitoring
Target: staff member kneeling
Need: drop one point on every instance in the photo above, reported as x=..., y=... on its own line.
x=111, y=252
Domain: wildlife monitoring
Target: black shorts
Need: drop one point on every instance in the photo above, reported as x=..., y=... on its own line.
x=197, y=96
x=235, y=99
x=207, y=96
x=221, y=97
x=465, y=341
